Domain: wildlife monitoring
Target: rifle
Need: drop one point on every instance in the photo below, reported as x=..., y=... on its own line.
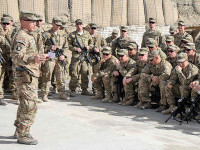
x=2, y=60
x=180, y=109
x=84, y=53
x=192, y=111
x=59, y=52
x=120, y=89
x=96, y=56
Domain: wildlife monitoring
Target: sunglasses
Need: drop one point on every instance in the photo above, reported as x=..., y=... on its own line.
x=39, y=20
x=168, y=41
x=79, y=24
x=187, y=49
x=123, y=31
x=151, y=59
x=170, y=51
x=5, y=23
x=151, y=22
x=120, y=55
x=93, y=28
x=106, y=54
x=141, y=54
x=150, y=47
x=184, y=42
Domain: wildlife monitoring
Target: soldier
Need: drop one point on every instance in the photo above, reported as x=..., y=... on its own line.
x=181, y=34
x=54, y=63
x=11, y=18
x=152, y=32
x=27, y=59
x=155, y=73
x=78, y=40
x=132, y=50
x=184, y=41
x=122, y=68
x=122, y=41
x=104, y=75
x=178, y=84
x=169, y=41
x=111, y=39
x=153, y=46
x=172, y=51
x=172, y=30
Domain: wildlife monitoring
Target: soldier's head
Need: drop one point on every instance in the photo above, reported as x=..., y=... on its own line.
x=181, y=26
x=5, y=22
x=28, y=20
x=39, y=21
x=132, y=48
x=151, y=44
x=93, y=28
x=143, y=54
x=154, y=57
x=122, y=54
x=107, y=53
x=169, y=40
x=56, y=23
x=152, y=23
x=190, y=49
x=123, y=31
x=64, y=22
x=172, y=50
x=115, y=33
x=79, y=25
x=9, y=16
x=182, y=60
x=186, y=40
x=172, y=30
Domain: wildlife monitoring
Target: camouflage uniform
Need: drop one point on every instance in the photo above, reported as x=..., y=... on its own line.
x=54, y=63
x=133, y=46
x=173, y=61
x=24, y=51
x=162, y=70
x=76, y=67
x=109, y=40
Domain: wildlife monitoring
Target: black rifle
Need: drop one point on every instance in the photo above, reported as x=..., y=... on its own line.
x=180, y=109
x=2, y=60
x=59, y=52
x=84, y=53
x=191, y=112
x=120, y=89
x=96, y=56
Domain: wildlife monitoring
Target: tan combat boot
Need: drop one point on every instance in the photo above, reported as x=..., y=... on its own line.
x=72, y=93
x=123, y=101
x=97, y=96
x=45, y=98
x=14, y=95
x=146, y=105
x=169, y=110
x=115, y=99
x=128, y=103
x=138, y=105
x=87, y=93
x=106, y=99
x=63, y=97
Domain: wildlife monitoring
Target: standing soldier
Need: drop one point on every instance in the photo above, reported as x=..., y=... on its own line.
x=53, y=39
x=172, y=30
x=27, y=59
x=110, y=39
x=78, y=41
x=152, y=32
x=122, y=41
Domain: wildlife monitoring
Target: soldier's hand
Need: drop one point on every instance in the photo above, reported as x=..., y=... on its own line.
x=193, y=84
x=170, y=85
x=96, y=50
x=116, y=73
x=102, y=61
x=117, y=63
x=78, y=50
x=129, y=80
x=93, y=78
x=53, y=47
x=196, y=88
x=178, y=68
x=155, y=79
x=39, y=59
x=124, y=81
x=61, y=57
x=87, y=47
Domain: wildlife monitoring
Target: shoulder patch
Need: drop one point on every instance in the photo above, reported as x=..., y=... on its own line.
x=21, y=42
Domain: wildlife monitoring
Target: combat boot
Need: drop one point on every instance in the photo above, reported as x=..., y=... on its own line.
x=39, y=101
x=27, y=140
x=161, y=108
x=14, y=95
x=114, y=99
x=197, y=117
x=128, y=103
x=97, y=96
x=72, y=94
x=123, y=101
x=138, y=105
x=169, y=110
x=106, y=99
x=18, y=102
x=54, y=90
x=146, y=105
x=63, y=97
x=87, y=93
x=3, y=103
x=16, y=135
x=45, y=98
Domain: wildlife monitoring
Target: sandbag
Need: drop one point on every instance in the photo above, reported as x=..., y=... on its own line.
x=153, y=8
x=55, y=8
x=36, y=6
x=136, y=12
x=10, y=7
x=196, y=6
x=119, y=12
x=81, y=9
x=170, y=12
x=101, y=12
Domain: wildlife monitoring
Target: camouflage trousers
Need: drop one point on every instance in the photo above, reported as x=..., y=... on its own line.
x=48, y=68
x=27, y=108
x=98, y=83
x=76, y=69
x=144, y=88
x=178, y=91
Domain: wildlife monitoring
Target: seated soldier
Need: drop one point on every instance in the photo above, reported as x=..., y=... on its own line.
x=122, y=68
x=172, y=51
x=169, y=41
x=184, y=41
x=107, y=66
x=178, y=84
x=133, y=76
x=155, y=73
x=132, y=50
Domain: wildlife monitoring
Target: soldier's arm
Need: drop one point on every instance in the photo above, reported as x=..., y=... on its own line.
x=194, y=76
x=114, y=46
x=146, y=69
x=174, y=77
x=90, y=42
x=124, y=71
x=70, y=39
x=166, y=72
x=65, y=46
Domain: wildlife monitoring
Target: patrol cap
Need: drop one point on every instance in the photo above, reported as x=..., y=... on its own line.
x=79, y=21
x=93, y=25
x=172, y=29
x=64, y=21
x=143, y=51
x=5, y=20
x=169, y=39
x=8, y=15
x=40, y=18
x=182, y=57
x=28, y=16
x=151, y=42
x=115, y=31
x=152, y=20
x=124, y=28
x=132, y=45
x=153, y=54
x=187, y=39
x=57, y=20
x=173, y=47
x=181, y=22
x=190, y=46
x=122, y=52
x=106, y=50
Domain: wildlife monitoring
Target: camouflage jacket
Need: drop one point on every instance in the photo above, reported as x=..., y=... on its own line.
x=195, y=60
x=109, y=41
x=84, y=39
x=24, y=50
x=161, y=53
x=99, y=41
x=135, y=57
x=163, y=70
x=185, y=76
x=173, y=62
x=178, y=38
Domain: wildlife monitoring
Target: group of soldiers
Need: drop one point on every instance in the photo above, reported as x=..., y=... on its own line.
x=166, y=65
